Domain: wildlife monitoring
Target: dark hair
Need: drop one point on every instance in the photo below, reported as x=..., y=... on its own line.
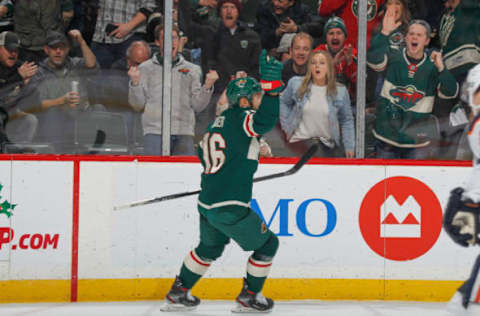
x=159, y=28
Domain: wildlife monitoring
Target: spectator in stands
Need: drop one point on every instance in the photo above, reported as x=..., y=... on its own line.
x=14, y=76
x=460, y=43
x=230, y=48
x=57, y=99
x=119, y=23
x=85, y=17
x=433, y=10
x=6, y=15
x=67, y=12
x=297, y=65
x=206, y=12
x=459, y=36
x=316, y=106
x=188, y=97
x=348, y=11
x=283, y=49
x=234, y=48
x=33, y=20
x=277, y=17
x=111, y=86
x=403, y=124
x=402, y=15
x=344, y=56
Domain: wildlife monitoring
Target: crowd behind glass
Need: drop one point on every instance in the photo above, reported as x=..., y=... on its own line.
x=86, y=77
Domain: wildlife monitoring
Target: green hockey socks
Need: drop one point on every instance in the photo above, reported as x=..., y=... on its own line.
x=193, y=268
x=259, y=264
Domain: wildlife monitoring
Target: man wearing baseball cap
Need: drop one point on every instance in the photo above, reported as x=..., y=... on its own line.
x=344, y=56
x=55, y=83
x=14, y=76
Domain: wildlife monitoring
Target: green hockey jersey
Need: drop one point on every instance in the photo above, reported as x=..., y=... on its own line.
x=459, y=37
x=229, y=153
x=403, y=115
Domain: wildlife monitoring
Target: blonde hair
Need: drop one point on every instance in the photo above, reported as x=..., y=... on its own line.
x=331, y=82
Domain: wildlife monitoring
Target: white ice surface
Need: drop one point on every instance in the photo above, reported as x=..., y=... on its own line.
x=220, y=308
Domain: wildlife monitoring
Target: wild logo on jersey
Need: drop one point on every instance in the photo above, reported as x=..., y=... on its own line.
x=406, y=96
x=396, y=39
x=241, y=83
x=372, y=9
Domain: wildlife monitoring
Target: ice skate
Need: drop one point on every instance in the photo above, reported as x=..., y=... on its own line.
x=249, y=302
x=179, y=298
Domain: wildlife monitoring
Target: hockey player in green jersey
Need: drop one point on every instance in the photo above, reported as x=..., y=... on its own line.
x=229, y=154
x=403, y=127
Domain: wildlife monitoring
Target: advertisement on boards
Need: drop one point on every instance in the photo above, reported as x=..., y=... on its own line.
x=400, y=218
x=35, y=220
x=333, y=221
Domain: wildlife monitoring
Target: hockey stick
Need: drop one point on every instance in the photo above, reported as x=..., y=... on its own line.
x=305, y=157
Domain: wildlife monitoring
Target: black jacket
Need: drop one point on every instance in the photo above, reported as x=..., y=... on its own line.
x=11, y=85
x=268, y=22
x=229, y=53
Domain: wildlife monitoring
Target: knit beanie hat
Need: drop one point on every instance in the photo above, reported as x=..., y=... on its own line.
x=237, y=3
x=335, y=22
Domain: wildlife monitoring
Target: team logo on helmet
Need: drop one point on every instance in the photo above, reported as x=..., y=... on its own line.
x=242, y=87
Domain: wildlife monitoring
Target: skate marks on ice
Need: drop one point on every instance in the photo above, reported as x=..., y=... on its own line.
x=223, y=308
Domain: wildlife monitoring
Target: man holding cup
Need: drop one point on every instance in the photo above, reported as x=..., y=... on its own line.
x=60, y=85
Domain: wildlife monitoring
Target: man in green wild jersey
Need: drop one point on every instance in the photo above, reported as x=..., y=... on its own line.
x=404, y=127
x=229, y=154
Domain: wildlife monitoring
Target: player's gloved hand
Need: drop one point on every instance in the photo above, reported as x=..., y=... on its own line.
x=270, y=74
x=461, y=219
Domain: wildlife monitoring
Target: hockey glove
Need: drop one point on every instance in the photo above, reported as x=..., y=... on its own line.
x=461, y=219
x=270, y=74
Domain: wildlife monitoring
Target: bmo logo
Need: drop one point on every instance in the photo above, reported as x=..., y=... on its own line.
x=313, y=217
x=400, y=218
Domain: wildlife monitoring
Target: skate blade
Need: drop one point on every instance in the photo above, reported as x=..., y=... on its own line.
x=248, y=310
x=168, y=307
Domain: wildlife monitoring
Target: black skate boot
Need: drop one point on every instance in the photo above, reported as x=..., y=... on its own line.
x=249, y=302
x=179, y=298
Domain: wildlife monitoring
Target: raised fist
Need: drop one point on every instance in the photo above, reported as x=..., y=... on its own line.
x=270, y=73
x=134, y=75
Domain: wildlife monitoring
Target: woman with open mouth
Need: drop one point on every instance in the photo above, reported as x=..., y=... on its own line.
x=316, y=106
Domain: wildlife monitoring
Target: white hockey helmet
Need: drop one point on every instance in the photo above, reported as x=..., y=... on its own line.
x=470, y=86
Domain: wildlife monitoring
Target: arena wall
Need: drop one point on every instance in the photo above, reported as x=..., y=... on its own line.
x=348, y=229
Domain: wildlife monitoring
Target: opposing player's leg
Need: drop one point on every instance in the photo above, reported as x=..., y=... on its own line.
x=467, y=297
x=195, y=264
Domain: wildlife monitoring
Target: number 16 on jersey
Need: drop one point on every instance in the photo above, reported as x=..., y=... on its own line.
x=213, y=146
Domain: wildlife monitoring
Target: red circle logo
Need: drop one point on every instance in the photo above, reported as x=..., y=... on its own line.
x=400, y=218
